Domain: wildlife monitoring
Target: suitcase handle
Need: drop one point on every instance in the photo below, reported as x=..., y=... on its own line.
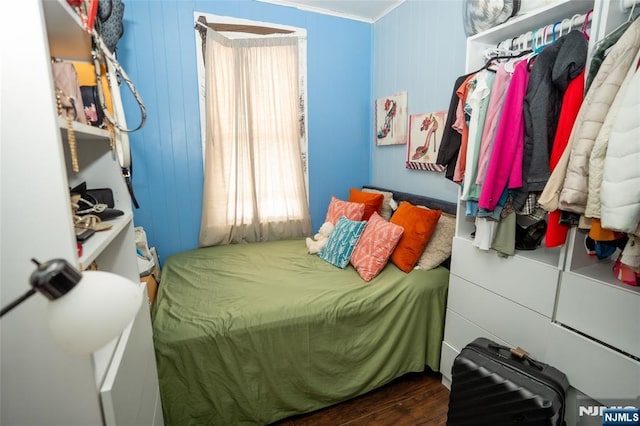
x=518, y=353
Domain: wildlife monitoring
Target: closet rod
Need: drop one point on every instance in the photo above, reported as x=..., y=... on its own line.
x=545, y=34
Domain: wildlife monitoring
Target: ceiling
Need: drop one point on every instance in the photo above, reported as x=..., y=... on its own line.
x=361, y=10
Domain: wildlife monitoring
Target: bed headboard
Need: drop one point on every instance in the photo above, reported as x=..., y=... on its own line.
x=419, y=200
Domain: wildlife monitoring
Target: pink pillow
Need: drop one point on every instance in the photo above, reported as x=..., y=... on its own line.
x=338, y=208
x=376, y=244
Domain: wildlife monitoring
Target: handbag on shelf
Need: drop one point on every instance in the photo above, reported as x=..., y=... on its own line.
x=69, y=103
x=92, y=109
x=106, y=32
x=90, y=97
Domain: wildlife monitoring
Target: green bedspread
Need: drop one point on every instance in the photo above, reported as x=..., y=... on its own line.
x=252, y=333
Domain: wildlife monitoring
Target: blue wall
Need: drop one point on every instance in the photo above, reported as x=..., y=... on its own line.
x=158, y=51
x=419, y=48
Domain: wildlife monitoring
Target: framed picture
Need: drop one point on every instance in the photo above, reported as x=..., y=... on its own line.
x=391, y=120
x=425, y=135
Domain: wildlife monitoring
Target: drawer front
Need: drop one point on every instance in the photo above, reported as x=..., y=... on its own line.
x=592, y=368
x=608, y=313
x=500, y=317
x=459, y=331
x=528, y=282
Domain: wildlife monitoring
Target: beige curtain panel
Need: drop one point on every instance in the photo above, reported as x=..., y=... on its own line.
x=254, y=188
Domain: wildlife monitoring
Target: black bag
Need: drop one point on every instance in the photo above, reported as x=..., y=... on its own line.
x=495, y=385
x=92, y=106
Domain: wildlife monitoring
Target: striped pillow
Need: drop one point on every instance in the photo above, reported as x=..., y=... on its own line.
x=378, y=241
x=342, y=241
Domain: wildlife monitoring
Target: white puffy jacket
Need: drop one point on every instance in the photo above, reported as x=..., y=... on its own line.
x=620, y=190
x=599, y=152
x=598, y=100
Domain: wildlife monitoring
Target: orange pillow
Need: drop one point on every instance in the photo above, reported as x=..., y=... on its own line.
x=372, y=202
x=418, y=225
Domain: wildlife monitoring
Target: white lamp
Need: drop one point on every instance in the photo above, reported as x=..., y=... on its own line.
x=86, y=310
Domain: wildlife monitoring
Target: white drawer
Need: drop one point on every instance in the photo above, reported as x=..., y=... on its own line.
x=607, y=312
x=528, y=282
x=501, y=317
x=592, y=368
x=459, y=331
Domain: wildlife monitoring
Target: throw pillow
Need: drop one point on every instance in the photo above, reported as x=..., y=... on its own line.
x=418, y=225
x=376, y=244
x=372, y=202
x=338, y=208
x=386, y=210
x=342, y=241
x=439, y=247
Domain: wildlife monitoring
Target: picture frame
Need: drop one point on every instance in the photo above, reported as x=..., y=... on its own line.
x=425, y=136
x=391, y=120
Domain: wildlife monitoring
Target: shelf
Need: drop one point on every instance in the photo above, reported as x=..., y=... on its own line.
x=531, y=21
x=601, y=271
x=100, y=240
x=84, y=132
x=67, y=38
x=546, y=256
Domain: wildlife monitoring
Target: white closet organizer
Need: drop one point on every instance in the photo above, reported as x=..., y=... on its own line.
x=118, y=384
x=564, y=307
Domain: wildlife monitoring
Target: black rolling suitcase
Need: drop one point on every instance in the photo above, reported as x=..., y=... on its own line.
x=494, y=385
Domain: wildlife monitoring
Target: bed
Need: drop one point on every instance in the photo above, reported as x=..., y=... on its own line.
x=253, y=333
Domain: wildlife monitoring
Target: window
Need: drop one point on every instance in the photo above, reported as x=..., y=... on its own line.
x=254, y=138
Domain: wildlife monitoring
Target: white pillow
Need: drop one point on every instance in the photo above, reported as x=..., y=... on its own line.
x=438, y=248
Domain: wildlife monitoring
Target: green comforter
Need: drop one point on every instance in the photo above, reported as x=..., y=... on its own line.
x=252, y=333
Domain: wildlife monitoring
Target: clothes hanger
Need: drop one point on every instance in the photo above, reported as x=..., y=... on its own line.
x=621, y=27
x=586, y=23
x=553, y=31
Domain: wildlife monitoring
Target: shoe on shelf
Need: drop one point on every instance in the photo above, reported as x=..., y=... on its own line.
x=87, y=204
x=91, y=221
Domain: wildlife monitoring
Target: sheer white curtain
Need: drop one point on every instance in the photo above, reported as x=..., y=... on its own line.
x=254, y=188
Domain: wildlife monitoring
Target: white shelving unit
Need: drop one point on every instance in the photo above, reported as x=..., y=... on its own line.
x=40, y=384
x=563, y=306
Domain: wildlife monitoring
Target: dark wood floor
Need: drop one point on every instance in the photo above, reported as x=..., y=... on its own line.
x=414, y=399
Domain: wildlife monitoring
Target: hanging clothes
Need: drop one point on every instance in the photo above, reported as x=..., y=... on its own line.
x=462, y=124
x=614, y=69
x=599, y=151
x=601, y=50
x=553, y=69
x=505, y=165
x=556, y=234
x=478, y=101
x=496, y=100
x=620, y=191
x=451, y=139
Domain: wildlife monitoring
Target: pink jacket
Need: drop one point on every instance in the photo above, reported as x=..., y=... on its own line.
x=505, y=165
